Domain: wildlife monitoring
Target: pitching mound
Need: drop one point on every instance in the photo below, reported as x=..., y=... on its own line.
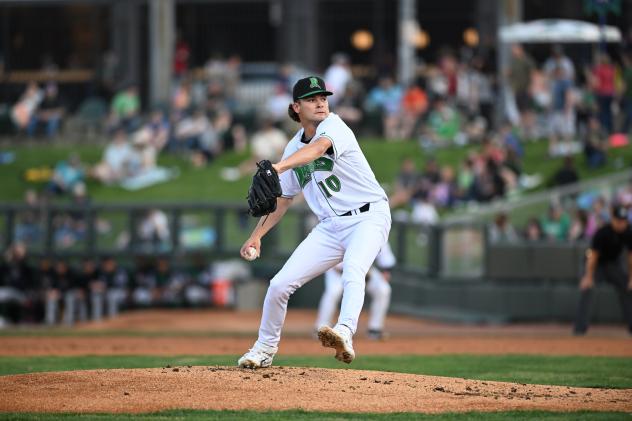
x=282, y=388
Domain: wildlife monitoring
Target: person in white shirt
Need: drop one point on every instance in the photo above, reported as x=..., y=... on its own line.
x=337, y=77
x=324, y=162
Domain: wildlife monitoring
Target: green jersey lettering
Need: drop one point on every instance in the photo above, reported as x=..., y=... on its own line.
x=304, y=173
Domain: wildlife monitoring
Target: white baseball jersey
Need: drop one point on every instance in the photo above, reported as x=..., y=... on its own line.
x=337, y=182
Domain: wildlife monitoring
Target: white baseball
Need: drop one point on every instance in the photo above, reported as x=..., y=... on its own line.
x=251, y=253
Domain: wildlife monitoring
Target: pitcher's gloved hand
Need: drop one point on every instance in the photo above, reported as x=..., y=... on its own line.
x=264, y=190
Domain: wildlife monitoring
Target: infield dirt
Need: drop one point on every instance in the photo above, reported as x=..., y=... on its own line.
x=214, y=332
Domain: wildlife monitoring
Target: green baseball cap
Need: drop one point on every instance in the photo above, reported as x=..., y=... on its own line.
x=309, y=86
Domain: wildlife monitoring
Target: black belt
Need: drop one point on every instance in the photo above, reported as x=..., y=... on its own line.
x=362, y=209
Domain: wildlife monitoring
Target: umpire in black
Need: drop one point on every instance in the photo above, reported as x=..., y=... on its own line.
x=603, y=263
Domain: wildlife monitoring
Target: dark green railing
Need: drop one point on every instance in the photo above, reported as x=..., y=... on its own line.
x=446, y=251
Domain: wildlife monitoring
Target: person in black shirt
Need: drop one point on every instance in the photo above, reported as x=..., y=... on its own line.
x=90, y=281
x=66, y=286
x=603, y=264
x=17, y=285
x=49, y=113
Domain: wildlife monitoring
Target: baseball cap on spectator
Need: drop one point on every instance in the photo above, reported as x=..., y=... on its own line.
x=620, y=212
x=309, y=86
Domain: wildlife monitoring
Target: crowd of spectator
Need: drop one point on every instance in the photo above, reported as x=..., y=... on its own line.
x=455, y=99
x=63, y=291
x=452, y=100
x=574, y=220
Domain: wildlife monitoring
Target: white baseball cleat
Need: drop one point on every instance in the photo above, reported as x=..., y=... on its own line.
x=259, y=356
x=338, y=338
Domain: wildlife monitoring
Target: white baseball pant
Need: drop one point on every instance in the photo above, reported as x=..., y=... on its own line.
x=355, y=240
x=377, y=287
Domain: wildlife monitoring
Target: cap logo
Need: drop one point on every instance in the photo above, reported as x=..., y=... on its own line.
x=313, y=83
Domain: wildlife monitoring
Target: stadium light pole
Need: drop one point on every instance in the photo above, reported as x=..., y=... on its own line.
x=406, y=49
x=161, y=45
x=509, y=11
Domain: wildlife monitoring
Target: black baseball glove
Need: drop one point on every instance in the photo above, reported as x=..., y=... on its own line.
x=264, y=190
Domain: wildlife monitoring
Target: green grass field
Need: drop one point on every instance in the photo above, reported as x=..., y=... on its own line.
x=301, y=415
x=195, y=184
x=571, y=371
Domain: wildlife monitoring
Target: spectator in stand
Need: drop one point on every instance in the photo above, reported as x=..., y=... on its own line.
x=232, y=136
x=624, y=195
x=595, y=144
x=232, y=79
x=349, y=106
x=118, y=285
x=627, y=93
x=566, y=174
x=66, y=175
x=559, y=63
x=170, y=283
x=475, y=99
x=144, y=293
x=49, y=113
x=386, y=98
x=44, y=282
x=125, y=110
x=276, y=105
x=144, y=154
x=602, y=80
x=509, y=139
x=604, y=264
x=215, y=68
x=444, y=125
x=598, y=216
x=465, y=180
x=501, y=230
x=267, y=143
x=449, y=66
x=431, y=172
x=194, y=133
x=153, y=230
x=519, y=75
x=443, y=193
x=337, y=77
x=216, y=102
x=533, y=230
x=181, y=56
x=182, y=98
x=24, y=109
x=117, y=157
x=556, y=223
x=577, y=231
x=90, y=280
x=29, y=223
x=488, y=183
x=414, y=107
x=65, y=286
x=423, y=210
x=17, y=286
x=158, y=129
x=405, y=183
x=561, y=72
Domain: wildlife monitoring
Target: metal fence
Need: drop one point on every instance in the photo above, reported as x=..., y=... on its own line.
x=446, y=251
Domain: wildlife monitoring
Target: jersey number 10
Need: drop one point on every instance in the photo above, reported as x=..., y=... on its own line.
x=332, y=182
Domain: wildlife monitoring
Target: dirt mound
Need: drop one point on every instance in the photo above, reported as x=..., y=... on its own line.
x=282, y=388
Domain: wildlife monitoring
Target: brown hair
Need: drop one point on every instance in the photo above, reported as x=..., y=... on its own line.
x=293, y=115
